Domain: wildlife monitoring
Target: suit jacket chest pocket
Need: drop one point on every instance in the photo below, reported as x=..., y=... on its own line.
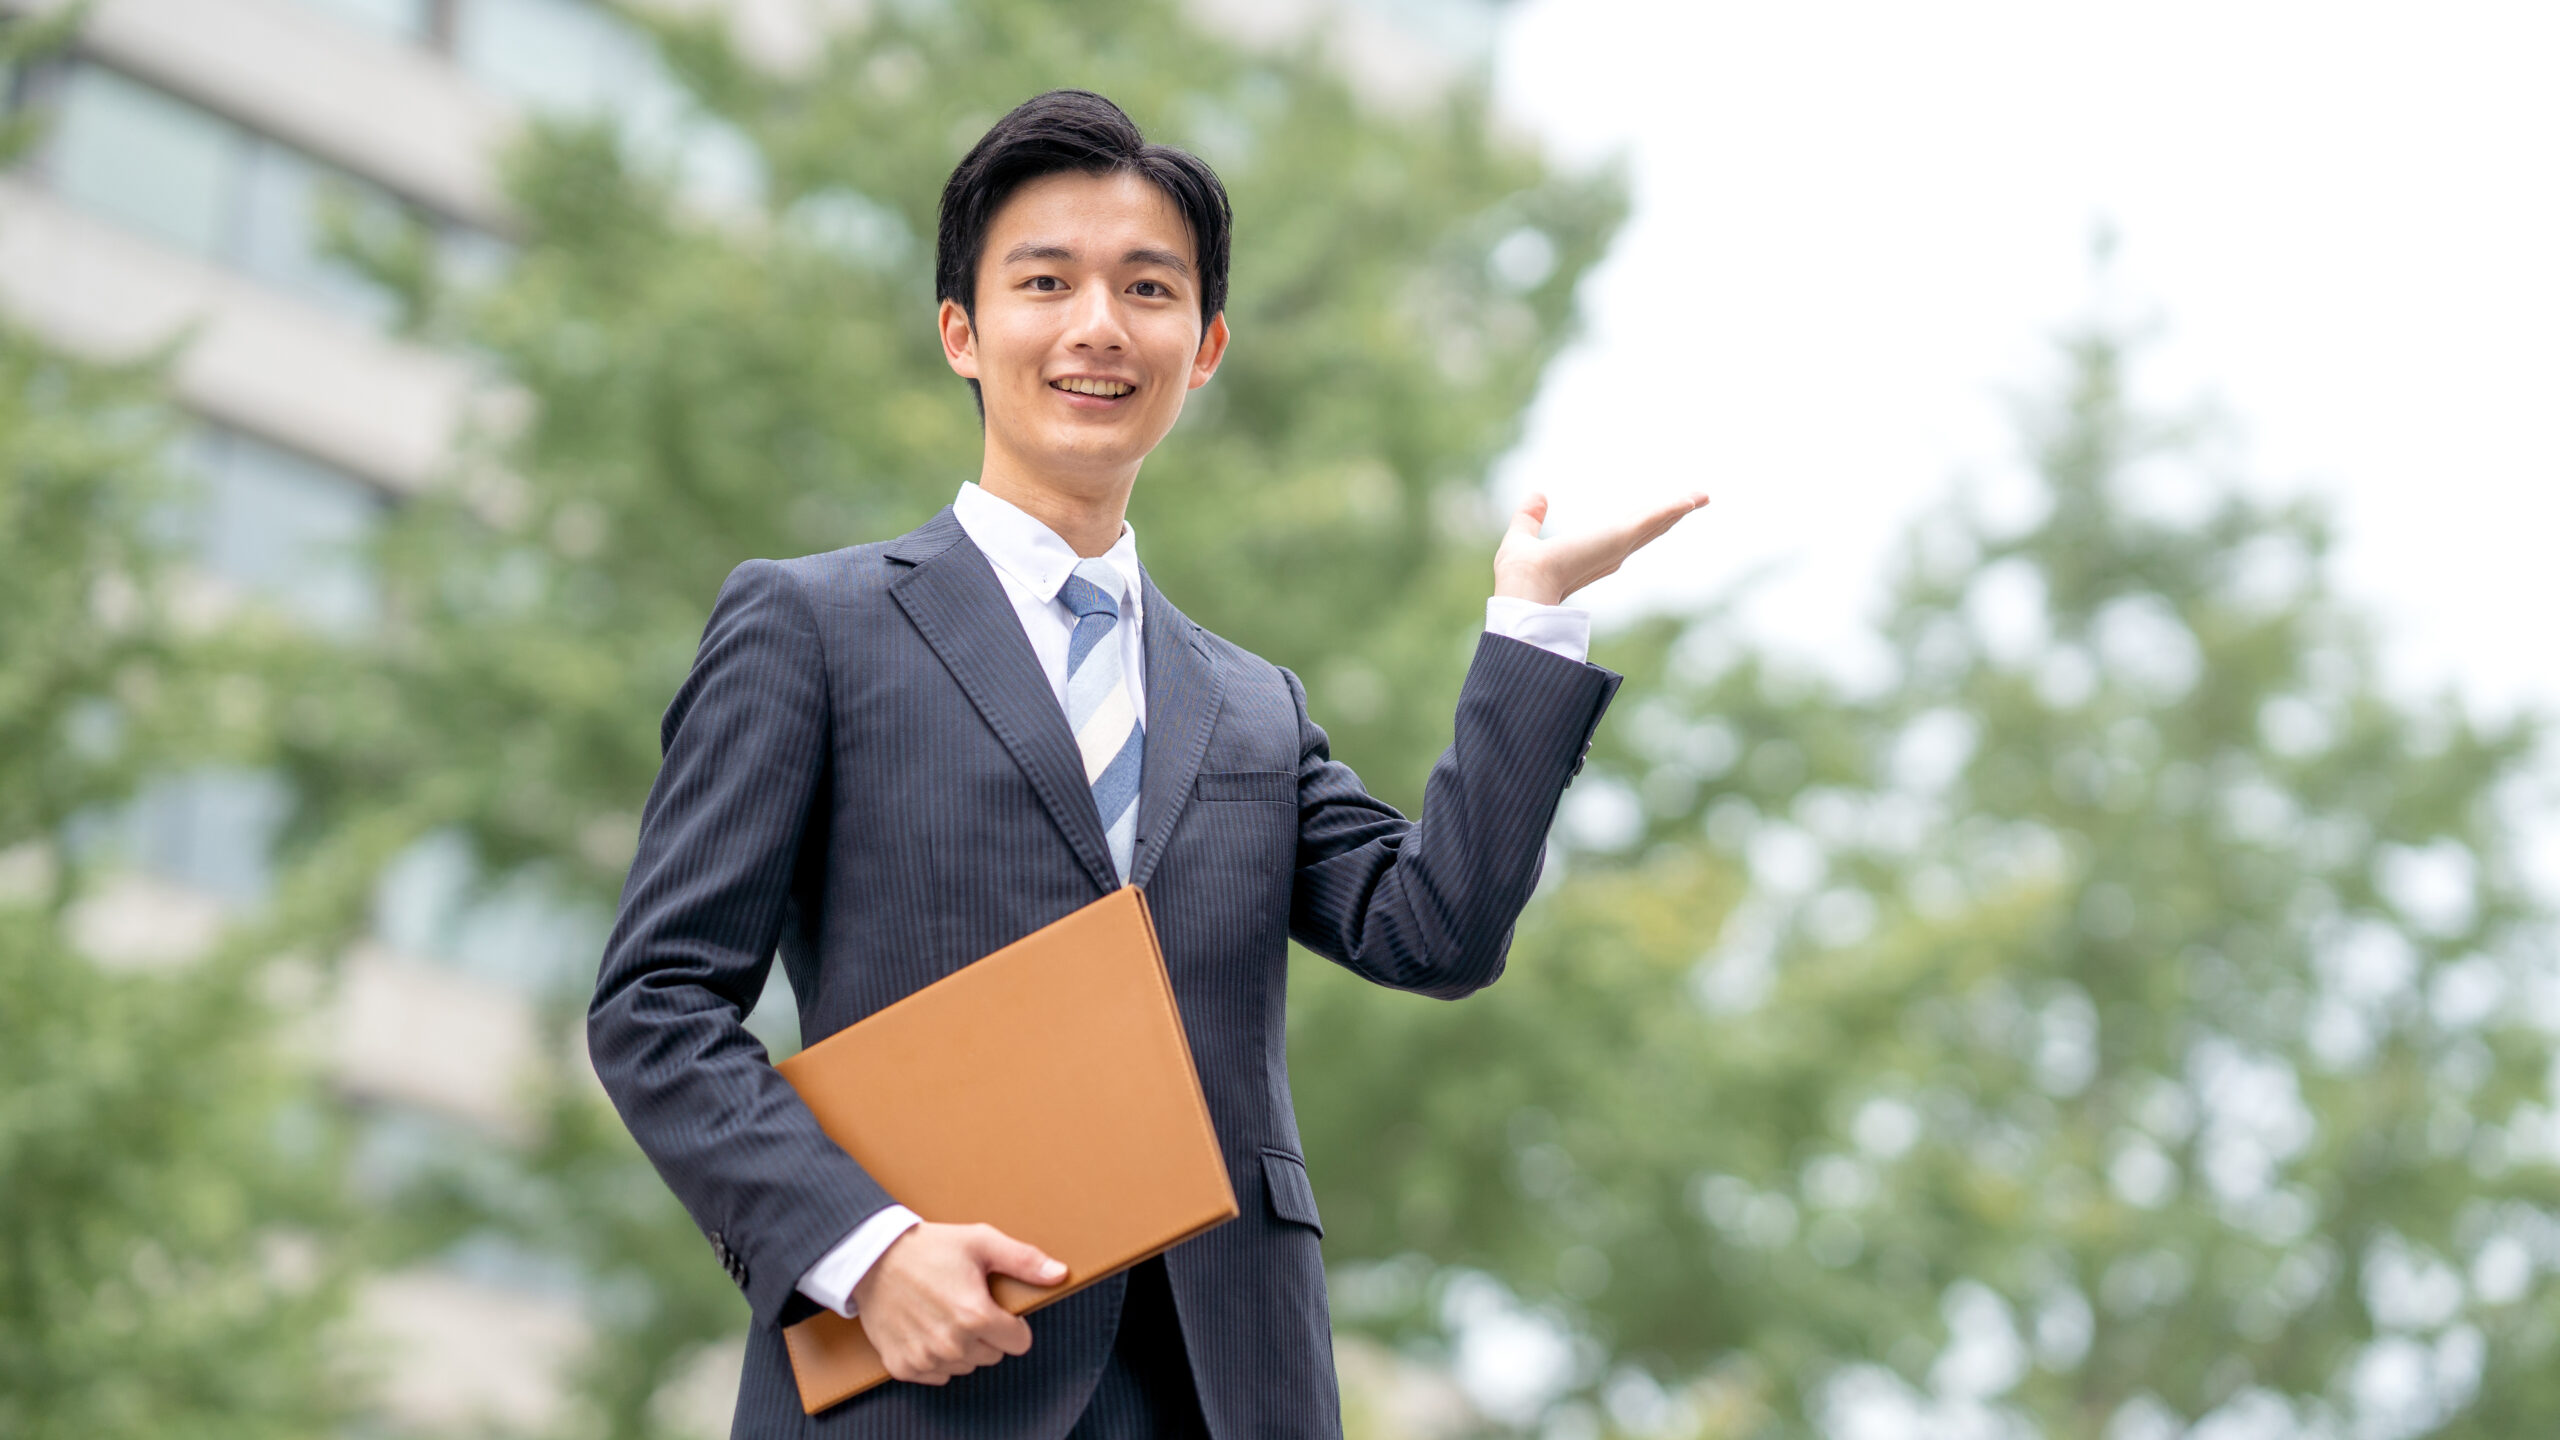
x=1239, y=836
x=1278, y=787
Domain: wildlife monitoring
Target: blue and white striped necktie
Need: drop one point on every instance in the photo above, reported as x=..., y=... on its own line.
x=1099, y=709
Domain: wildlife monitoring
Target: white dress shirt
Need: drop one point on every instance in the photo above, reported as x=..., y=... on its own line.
x=1034, y=563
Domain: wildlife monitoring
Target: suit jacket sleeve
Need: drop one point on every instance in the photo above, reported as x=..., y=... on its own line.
x=709, y=890
x=1430, y=906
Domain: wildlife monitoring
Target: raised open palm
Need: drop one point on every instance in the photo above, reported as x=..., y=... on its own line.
x=1530, y=567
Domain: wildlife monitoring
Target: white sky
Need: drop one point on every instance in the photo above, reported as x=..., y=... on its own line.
x=1856, y=223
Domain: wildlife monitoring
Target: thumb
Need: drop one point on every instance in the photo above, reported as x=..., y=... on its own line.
x=1531, y=517
x=1001, y=1254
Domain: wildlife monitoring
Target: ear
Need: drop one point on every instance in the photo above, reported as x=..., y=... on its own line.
x=959, y=341
x=1213, y=348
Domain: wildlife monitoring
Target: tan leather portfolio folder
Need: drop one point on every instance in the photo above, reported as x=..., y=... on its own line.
x=1046, y=1090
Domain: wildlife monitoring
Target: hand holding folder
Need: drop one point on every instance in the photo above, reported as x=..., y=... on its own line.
x=1047, y=1090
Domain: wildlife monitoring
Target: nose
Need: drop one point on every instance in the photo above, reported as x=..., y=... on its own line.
x=1095, y=322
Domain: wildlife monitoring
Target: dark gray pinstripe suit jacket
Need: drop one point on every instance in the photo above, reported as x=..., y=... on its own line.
x=868, y=771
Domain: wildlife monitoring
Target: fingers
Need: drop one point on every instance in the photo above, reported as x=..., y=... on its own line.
x=987, y=1333
x=973, y=1336
x=1671, y=513
x=927, y=1307
x=1000, y=1254
x=1531, y=517
x=979, y=1351
x=1007, y=1332
x=1654, y=525
x=1624, y=539
x=952, y=1351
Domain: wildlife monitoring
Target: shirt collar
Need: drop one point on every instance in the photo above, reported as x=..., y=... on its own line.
x=1034, y=556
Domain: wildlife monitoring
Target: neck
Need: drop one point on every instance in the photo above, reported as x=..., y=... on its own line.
x=1086, y=513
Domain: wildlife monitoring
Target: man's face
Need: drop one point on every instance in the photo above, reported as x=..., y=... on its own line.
x=1087, y=334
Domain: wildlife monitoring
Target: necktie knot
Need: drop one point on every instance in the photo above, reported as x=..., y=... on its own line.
x=1094, y=589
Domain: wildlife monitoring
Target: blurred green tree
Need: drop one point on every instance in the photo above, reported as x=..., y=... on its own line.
x=163, y=1174
x=2129, y=1012
x=711, y=380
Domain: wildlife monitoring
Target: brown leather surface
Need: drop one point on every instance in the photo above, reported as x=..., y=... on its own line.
x=1047, y=1090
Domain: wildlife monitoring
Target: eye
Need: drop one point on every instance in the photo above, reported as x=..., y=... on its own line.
x=1046, y=282
x=1152, y=289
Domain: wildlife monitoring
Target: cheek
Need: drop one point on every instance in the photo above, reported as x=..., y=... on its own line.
x=1173, y=354
x=1010, y=345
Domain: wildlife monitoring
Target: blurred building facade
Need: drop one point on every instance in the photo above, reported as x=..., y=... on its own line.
x=199, y=157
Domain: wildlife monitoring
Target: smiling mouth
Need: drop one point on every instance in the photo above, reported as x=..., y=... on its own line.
x=1101, y=389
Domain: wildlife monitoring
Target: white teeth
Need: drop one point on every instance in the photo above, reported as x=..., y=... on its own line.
x=1108, y=388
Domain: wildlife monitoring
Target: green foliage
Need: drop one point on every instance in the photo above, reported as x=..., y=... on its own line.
x=2129, y=1005
x=160, y=1270
x=74, y=558
x=2126, y=1007
x=707, y=384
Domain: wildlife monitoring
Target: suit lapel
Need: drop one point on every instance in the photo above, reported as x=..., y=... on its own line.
x=1183, y=686
x=958, y=605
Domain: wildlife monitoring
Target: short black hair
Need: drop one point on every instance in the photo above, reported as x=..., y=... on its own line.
x=1073, y=130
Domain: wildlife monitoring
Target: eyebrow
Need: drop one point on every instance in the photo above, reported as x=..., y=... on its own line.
x=1032, y=250
x=1143, y=255
x=1165, y=258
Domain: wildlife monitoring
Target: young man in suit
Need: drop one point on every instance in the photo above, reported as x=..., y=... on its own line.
x=893, y=759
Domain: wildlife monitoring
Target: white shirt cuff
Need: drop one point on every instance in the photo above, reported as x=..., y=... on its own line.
x=830, y=1282
x=1559, y=629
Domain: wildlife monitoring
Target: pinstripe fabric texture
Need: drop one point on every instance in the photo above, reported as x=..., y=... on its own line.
x=1106, y=726
x=867, y=774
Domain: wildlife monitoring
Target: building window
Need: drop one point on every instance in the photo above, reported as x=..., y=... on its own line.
x=282, y=527
x=563, y=56
x=435, y=902
x=268, y=523
x=145, y=158
x=213, y=830
x=407, y=21
x=215, y=189
x=285, y=200
x=574, y=57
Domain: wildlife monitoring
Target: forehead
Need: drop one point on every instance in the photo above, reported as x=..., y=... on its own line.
x=1096, y=216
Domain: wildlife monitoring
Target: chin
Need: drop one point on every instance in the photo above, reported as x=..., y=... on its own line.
x=1110, y=451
